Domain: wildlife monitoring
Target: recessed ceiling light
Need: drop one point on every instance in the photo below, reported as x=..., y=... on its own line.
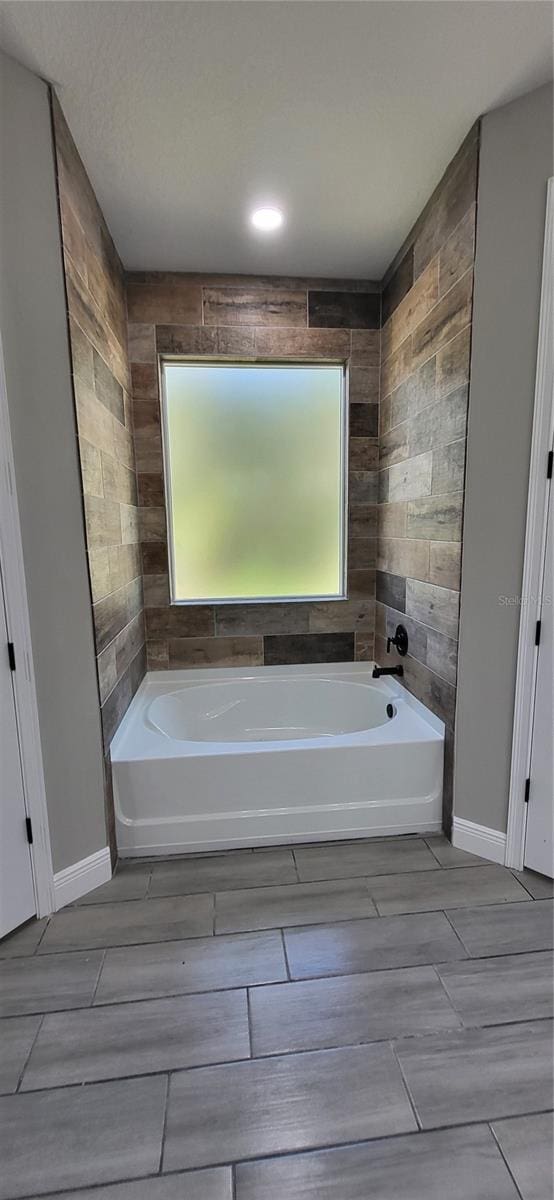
x=267, y=219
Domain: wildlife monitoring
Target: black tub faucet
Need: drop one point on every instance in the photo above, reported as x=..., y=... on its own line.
x=378, y=671
x=400, y=640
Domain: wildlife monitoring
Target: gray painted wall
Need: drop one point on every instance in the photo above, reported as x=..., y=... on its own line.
x=34, y=332
x=515, y=163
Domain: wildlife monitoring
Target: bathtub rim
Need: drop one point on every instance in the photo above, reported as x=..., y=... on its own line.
x=174, y=679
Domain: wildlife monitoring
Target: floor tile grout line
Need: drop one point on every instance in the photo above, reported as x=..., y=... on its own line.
x=291, y=883
x=363, y=880
x=96, y=985
x=237, y=987
x=459, y=936
x=405, y=1084
x=435, y=856
x=290, y=976
x=14, y=958
x=291, y=979
x=446, y=993
x=520, y=881
x=503, y=1156
x=489, y=903
x=250, y=1025
x=305, y=1150
x=393, y=1040
x=295, y=860
x=164, y=1124
x=48, y=919
x=17, y=1089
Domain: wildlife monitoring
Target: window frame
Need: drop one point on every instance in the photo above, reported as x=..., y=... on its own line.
x=222, y=361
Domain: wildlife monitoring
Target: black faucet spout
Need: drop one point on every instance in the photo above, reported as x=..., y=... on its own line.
x=378, y=671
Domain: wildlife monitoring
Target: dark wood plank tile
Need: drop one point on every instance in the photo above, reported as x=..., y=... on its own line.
x=363, y=420
x=344, y=310
x=391, y=590
x=306, y=648
x=244, y=306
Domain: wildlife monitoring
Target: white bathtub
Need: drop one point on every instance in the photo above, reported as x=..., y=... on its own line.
x=220, y=758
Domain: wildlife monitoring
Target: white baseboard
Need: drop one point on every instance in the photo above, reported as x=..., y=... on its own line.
x=81, y=877
x=478, y=839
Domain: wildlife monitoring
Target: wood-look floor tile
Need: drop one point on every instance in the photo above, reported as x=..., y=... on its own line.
x=363, y=858
x=300, y=904
x=130, y=882
x=45, y=984
x=138, y=1038
x=449, y=856
x=453, y=1164
x=222, y=872
x=527, y=1144
x=348, y=1010
x=539, y=886
x=223, y=1114
x=517, y=987
x=129, y=922
x=424, y=891
x=505, y=928
x=72, y=1137
x=176, y=968
x=479, y=1074
x=23, y=941
x=350, y=947
x=215, y=1183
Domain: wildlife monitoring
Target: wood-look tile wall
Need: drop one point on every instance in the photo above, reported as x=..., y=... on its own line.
x=101, y=381
x=256, y=318
x=425, y=353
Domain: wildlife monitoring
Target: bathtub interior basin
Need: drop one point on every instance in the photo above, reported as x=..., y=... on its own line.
x=267, y=710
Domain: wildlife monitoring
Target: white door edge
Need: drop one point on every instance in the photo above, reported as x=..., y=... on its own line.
x=11, y=551
x=535, y=540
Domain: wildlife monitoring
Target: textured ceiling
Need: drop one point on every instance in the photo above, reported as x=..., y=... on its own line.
x=346, y=114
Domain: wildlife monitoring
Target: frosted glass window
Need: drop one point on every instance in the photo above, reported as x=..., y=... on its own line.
x=254, y=481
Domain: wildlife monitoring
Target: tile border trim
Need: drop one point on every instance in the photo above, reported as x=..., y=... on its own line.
x=479, y=839
x=81, y=877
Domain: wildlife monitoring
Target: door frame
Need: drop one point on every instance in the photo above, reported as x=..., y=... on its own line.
x=535, y=546
x=26, y=706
